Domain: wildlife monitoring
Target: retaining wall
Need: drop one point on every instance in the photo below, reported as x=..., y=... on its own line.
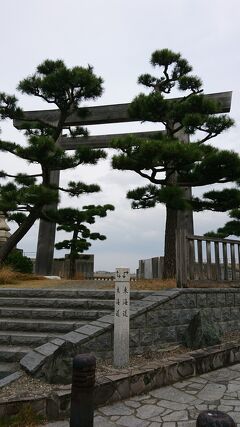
x=157, y=319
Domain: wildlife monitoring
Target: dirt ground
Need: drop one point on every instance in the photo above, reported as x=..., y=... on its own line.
x=154, y=284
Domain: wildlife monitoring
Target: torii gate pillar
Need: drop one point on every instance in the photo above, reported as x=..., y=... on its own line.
x=46, y=239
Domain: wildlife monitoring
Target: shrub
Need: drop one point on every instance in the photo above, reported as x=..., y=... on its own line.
x=26, y=417
x=19, y=262
x=7, y=276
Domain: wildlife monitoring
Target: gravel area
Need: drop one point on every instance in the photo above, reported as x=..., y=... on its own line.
x=27, y=386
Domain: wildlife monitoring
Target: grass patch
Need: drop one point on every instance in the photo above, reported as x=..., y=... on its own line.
x=146, y=284
x=26, y=417
x=9, y=277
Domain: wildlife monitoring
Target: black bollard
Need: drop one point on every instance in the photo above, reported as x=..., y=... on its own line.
x=82, y=398
x=215, y=419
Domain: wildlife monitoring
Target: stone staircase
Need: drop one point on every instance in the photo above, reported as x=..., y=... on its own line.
x=31, y=317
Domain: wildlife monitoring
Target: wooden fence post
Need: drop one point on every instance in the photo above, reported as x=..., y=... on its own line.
x=181, y=258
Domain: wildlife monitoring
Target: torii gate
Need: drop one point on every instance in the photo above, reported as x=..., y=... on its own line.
x=104, y=114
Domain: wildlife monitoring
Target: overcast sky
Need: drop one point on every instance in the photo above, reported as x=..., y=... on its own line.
x=117, y=38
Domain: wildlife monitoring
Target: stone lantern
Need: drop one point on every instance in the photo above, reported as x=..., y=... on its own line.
x=4, y=230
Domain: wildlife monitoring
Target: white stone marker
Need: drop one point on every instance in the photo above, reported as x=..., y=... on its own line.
x=121, y=318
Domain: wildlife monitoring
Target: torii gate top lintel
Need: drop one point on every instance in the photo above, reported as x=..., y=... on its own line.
x=103, y=114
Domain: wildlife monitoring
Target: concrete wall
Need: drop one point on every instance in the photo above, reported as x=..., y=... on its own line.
x=84, y=266
x=151, y=268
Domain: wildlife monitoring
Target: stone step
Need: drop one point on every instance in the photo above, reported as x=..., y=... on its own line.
x=31, y=339
x=51, y=313
x=56, y=293
x=56, y=303
x=7, y=369
x=33, y=325
x=67, y=293
x=13, y=353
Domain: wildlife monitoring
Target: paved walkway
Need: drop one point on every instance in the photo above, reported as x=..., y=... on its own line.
x=177, y=405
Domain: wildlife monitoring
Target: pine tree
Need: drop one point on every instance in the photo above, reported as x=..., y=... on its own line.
x=227, y=200
x=169, y=164
x=28, y=194
x=74, y=221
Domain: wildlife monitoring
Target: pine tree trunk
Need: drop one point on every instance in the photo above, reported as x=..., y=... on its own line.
x=15, y=238
x=175, y=218
x=72, y=256
x=72, y=267
x=169, y=270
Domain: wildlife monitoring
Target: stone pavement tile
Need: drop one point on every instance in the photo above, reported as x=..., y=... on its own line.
x=132, y=421
x=236, y=381
x=168, y=424
x=228, y=402
x=212, y=407
x=195, y=386
x=155, y=424
x=235, y=367
x=201, y=407
x=172, y=394
x=183, y=384
x=102, y=422
x=141, y=397
x=173, y=405
x=190, y=423
x=224, y=408
x=231, y=394
x=157, y=419
x=150, y=401
x=148, y=411
x=233, y=386
x=166, y=412
x=235, y=416
x=227, y=397
x=176, y=416
x=132, y=403
x=116, y=409
x=224, y=374
x=212, y=391
x=193, y=413
x=197, y=402
x=200, y=380
x=114, y=418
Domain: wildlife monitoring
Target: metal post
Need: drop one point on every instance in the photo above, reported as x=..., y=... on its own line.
x=215, y=419
x=82, y=397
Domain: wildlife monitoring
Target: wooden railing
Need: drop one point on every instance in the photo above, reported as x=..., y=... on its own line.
x=207, y=259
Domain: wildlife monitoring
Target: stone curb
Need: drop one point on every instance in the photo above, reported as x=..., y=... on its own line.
x=112, y=388
x=10, y=378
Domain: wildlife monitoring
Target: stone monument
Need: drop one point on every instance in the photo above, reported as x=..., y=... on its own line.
x=121, y=318
x=4, y=230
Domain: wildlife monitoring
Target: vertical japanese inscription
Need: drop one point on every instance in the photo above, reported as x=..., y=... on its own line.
x=121, y=318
